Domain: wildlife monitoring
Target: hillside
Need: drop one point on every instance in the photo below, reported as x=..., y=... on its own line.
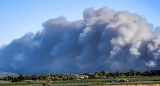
x=4, y=74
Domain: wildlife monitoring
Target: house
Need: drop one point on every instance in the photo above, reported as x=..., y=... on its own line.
x=83, y=77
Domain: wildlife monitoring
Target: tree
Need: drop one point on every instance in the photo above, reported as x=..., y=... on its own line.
x=117, y=74
x=14, y=79
x=113, y=74
x=56, y=78
x=20, y=77
x=105, y=73
x=96, y=76
x=132, y=72
x=64, y=77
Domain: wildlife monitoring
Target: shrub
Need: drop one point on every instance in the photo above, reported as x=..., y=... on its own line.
x=46, y=84
x=122, y=80
x=30, y=81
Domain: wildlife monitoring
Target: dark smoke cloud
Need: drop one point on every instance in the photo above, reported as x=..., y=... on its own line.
x=103, y=40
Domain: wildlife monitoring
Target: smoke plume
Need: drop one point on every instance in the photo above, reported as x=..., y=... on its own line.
x=103, y=40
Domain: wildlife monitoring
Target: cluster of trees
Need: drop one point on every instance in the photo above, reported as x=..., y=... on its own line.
x=53, y=77
x=12, y=78
x=96, y=75
x=105, y=74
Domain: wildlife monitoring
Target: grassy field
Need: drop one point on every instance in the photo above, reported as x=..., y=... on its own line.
x=91, y=82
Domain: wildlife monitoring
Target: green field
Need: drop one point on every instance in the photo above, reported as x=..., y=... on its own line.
x=91, y=82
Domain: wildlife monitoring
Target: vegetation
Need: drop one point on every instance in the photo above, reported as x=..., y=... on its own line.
x=85, y=79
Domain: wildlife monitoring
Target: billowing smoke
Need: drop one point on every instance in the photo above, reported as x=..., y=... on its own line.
x=103, y=40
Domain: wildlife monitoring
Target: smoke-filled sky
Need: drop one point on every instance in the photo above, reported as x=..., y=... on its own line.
x=103, y=39
x=17, y=17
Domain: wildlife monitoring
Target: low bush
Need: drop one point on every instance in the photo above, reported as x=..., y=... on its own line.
x=122, y=80
x=30, y=81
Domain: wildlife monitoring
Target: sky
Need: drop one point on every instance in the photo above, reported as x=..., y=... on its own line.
x=18, y=17
x=77, y=36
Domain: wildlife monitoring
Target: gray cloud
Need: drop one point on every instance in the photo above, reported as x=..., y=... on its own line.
x=103, y=40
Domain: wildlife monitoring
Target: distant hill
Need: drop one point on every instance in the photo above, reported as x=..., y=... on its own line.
x=4, y=74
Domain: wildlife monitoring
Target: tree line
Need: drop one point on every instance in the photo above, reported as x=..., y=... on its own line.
x=96, y=75
x=105, y=74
